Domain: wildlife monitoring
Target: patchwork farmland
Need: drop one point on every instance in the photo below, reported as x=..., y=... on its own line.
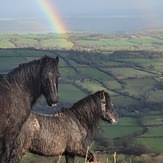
x=132, y=77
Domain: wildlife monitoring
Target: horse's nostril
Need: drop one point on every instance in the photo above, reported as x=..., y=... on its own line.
x=114, y=121
x=54, y=104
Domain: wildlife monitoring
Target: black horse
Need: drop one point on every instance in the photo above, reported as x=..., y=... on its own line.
x=65, y=132
x=19, y=90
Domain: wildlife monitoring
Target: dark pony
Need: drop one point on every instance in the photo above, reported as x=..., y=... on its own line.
x=19, y=90
x=65, y=132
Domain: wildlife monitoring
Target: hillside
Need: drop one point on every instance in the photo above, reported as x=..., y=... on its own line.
x=133, y=78
x=150, y=40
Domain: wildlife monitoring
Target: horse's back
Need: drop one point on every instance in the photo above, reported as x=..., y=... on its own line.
x=44, y=135
x=59, y=132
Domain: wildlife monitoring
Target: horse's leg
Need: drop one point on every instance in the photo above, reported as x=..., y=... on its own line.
x=6, y=151
x=18, y=152
x=69, y=158
x=21, y=146
x=17, y=155
x=82, y=152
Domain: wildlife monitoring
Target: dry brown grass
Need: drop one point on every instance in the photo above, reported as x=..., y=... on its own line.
x=101, y=161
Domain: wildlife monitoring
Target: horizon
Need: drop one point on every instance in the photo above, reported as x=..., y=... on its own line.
x=67, y=16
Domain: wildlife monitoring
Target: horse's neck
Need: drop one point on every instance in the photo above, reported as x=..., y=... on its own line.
x=88, y=116
x=27, y=79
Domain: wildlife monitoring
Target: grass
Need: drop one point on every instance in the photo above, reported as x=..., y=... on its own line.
x=123, y=73
x=8, y=63
x=94, y=73
x=119, y=43
x=154, y=143
x=154, y=131
x=139, y=87
x=150, y=64
x=67, y=72
x=27, y=41
x=62, y=63
x=77, y=65
x=154, y=135
x=121, y=100
x=122, y=43
x=33, y=40
x=93, y=86
x=33, y=53
x=113, y=84
x=155, y=119
x=69, y=93
x=140, y=60
x=5, y=43
x=98, y=158
x=137, y=82
x=8, y=53
x=156, y=96
x=124, y=127
x=57, y=43
x=103, y=42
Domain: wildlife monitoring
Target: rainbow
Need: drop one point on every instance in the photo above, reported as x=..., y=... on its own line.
x=52, y=15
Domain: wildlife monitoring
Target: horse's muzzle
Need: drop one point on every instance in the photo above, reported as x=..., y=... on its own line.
x=114, y=121
x=52, y=102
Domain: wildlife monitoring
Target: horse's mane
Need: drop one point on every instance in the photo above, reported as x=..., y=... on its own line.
x=31, y=68
x=86, y=111
x=24, y=69
x=1, y=76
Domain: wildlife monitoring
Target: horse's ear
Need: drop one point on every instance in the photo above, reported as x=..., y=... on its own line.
x=57, y=59
x=102, y=94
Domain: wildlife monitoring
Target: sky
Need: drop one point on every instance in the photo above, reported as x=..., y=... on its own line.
x=31, y=8
x=68, y=15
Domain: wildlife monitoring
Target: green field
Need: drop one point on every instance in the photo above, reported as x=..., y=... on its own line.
x=153, y=118
x=69, y=93
x=152, y=42
x=127, y=79
x=154, y=135
x=156, y=96
x=124, y=127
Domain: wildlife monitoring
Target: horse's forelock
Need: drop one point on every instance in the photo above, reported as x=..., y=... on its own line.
x=45, y=60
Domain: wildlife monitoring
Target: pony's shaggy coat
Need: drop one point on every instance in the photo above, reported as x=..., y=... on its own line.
x=65, y=132
x=19, y=90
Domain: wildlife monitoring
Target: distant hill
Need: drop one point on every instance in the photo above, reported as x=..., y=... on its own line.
x=112, y=24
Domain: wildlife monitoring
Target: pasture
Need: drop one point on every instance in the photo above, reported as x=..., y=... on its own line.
x=124, y=127
x=67, y=90
x=154, y=135
x=84, y=41
x=126, y=79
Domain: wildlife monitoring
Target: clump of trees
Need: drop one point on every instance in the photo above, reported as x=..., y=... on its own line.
x=135, y=54
x=127, y=145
